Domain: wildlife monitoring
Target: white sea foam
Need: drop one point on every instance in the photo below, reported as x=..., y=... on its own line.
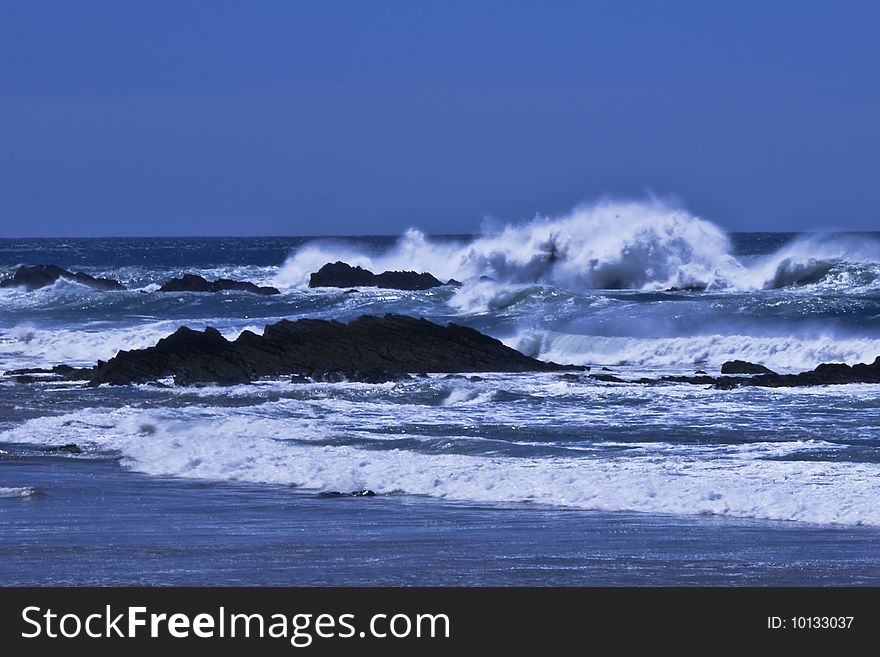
x=607, y=245
x=782, y=353
x=20, y=492
x=226, y=444
x=29, y=346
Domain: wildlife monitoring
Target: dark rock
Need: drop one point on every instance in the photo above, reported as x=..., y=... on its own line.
x=454, y=283
x=608, y=378
x=341, y=274
x=69, y=448
x=194, y=283
x=330, y=494
x=28, y=370
x=377, y=376
x=700, y=372
x=695, y=380
x=744, y=367
x=694, y=287
x=368, y=348
x=190, y=357
x=64, y=370
x=26, y=378
x=574, y=378
x=37, y=276
x=826, y=374
x=59, y=371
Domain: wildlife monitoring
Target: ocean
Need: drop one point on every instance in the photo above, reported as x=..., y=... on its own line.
x=480, y=479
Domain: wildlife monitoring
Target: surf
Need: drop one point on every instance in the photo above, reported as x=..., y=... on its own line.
x=648, y=244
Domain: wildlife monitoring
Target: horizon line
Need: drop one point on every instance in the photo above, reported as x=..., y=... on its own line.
x=363, y=235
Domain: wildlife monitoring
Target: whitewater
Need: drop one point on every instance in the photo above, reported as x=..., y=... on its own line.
x=636, y=288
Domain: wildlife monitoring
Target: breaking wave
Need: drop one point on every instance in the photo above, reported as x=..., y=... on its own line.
x=609, y=245
x=779, y=353
x=648, y=245
x=222, y=445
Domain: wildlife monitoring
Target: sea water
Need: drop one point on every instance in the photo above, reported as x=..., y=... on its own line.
x=486, y=479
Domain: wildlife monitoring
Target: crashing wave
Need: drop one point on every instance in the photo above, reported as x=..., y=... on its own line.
x=609, y=245
x=649, y=245
x=778, y=353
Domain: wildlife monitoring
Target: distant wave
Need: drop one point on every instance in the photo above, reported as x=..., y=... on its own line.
x=832, y=261
x=607, y=245
x=781, y=353
x=648, y=245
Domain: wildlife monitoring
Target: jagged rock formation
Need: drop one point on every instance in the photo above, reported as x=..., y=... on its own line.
x=194, y=283
x=370, y=349
x=33, y=277
x=744, y=367
x=341, y=274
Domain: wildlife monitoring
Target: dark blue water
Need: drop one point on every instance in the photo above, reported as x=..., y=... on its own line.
x=500, y=479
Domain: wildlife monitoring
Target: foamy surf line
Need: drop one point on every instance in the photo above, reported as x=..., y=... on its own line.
x=30, y=346
x=780, y=353
x=215, y=448
x=19, y=492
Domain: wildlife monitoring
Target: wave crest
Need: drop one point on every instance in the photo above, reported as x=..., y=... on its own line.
x=608, y=245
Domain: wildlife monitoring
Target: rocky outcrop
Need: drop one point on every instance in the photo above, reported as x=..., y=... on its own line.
x=69, y=448
x=33, y=277
x=341, y=274
x=744, y=367
x=826, y=374
x=194, y=283
x=59, y=372
x=371, y=349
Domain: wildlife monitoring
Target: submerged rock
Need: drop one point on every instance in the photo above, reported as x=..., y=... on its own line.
x=69, y=448
x=33, y=277
x=194, y=283
x=744, y=367
x=607, y=378
x=341, y=274
x=370, y=349
x=355, y=493
x=826, y=374
x=59, y=371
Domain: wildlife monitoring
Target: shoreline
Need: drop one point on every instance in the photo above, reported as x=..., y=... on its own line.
x=96, y=523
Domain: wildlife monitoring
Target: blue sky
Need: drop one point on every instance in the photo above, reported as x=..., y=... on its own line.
x=348, y=117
